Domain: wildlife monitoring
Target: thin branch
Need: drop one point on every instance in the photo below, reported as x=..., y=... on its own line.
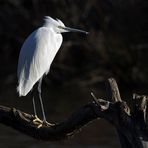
x=114, y=90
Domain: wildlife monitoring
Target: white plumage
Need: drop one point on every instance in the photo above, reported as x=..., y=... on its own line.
x=37, y=54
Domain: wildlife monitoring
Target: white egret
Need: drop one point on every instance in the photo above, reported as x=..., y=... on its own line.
x=37, y=54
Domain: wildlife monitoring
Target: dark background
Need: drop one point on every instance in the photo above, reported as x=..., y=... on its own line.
x=117, y=46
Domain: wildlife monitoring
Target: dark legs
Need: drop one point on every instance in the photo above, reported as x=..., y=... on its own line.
x=34, y=110
x=41, y=102
x=34, y=107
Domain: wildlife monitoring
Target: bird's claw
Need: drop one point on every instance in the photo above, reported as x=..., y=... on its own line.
x=45, y=124
x=41, y=123
x=38, y=122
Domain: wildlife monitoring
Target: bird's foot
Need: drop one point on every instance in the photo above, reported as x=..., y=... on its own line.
x=45, y=124
x=37, y=120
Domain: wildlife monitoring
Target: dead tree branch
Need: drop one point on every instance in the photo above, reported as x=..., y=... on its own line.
x=130, y=123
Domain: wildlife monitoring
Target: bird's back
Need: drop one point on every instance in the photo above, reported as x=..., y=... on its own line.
x=36, y=56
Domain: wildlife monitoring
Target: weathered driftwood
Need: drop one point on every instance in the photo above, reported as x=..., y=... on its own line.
x=129, y=123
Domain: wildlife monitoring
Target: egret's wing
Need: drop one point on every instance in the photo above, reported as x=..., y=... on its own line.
x=36, y=56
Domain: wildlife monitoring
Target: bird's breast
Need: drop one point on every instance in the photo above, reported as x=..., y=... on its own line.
x=58, y=41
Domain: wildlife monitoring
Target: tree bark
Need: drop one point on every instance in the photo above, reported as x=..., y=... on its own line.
x=130, y=123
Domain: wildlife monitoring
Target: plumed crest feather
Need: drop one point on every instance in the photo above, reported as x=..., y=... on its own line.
x=50, y=21
x=60, y=22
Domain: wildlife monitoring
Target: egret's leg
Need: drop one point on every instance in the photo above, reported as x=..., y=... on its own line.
x=40, y=97
x=33, y=103
x=35, y=112
x=34, y=107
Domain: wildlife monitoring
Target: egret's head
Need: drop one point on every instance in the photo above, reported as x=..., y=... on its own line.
x=59, y=27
